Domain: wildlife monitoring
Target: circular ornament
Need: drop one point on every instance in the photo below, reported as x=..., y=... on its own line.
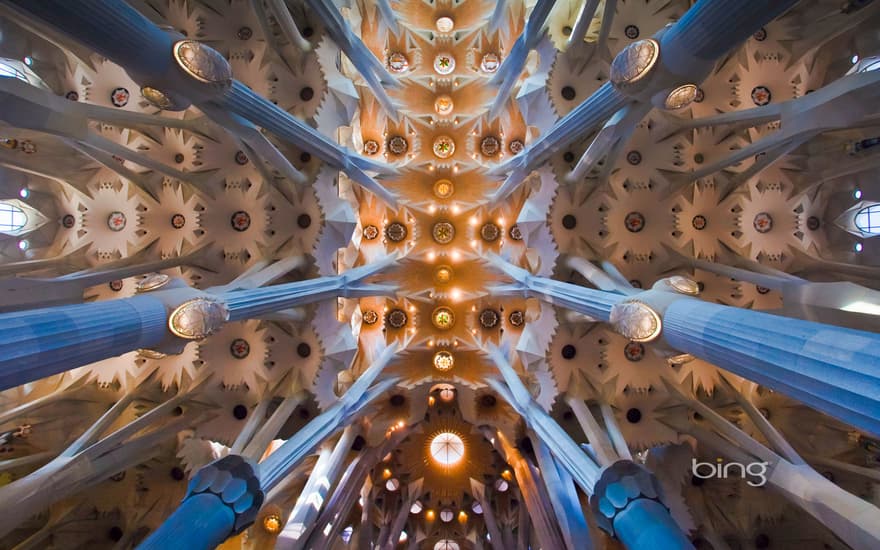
x=489, y=318
x=515, y=232
x=444, y=64
x=371, y=147
x=490, y=232
x=397, y=62
x=240, y=220
x=272, y=524
x=116, y=221
x=153, y=281
x=203, y=62
x=398, y=145
x=683, y=285
x=634, y=351
x=442, y=318
x=699, y=222
x=445, y=24
x=72, y=96
x=516, y=146
x=443, y=361
x=636, y=321
x=68, y=221
x=198, y=318
x=681, y=97
x=568, y=93
x=119, y=97
x=444, y=147
x=490, y=62
x=371, y=232
x=699, y=96
x=28, y=147
x=760, y=35
x=239, y=348
x=762, y=289
x=490, y=146
x=813, y=223
x=761, y=96
x=634, y=222
x=443, y=275
x=241, y=158
x=635, y=283
x=395, y=232
x=370, y=317
x=634, y=158
x=631, y=31
x=116, y=285
x=443, y=105
x=763, y=222
x=245, y=33
x=396, y=318
x=634, y=63
x=443, y=232
x=516, y=318
x=443, y=189
x=178, y=221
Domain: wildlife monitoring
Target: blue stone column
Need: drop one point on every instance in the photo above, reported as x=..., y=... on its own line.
x=833, y=369
x=627, y=503
x=222, y=500
x=41, y=342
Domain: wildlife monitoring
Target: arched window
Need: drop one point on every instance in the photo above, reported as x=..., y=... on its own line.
x=867, y=220
x=13, y=218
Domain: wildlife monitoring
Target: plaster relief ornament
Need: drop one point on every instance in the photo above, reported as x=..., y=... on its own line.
x=241, y=158
x=634, y=158
x=443, y=189
x=631, y=31
x=371, y=147
x=203, y=63
x=515, y=232
x=178, y=221
x=396, y=318
x=28, y=147
x=68, y=221
x=636, y=321
x=699, y=222
x=398, y=145
x=371, y=232
x=443, y=105
x=489, y=318
x=370, y=317
x=445, y=24
x=490, y=62
x=153, y=281
x=72, y=96
x=760, y=35
x=761, y=96
x=443, y=318
x=443, y=232
x=763, y=222
x=444, y=64
x=240, y=220
x=634, y=222
x=490, y=232
x=444, y=147
x=517, y=318
x=397, y=62
x=490, y=146
x=239, y=348
x=443, y=361
x=634, y=64
x=116, y=285
x=198, y=318
x=395, y=232
x=516, y=146
x=116, y=221
x=634, y=351
x=681, y=97
x=443, y=275
x=119, y=97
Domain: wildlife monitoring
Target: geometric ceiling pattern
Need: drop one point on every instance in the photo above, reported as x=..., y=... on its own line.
x=446, y=274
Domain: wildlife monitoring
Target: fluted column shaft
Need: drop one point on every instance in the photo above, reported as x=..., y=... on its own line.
x=41, y=342
x=833, y=369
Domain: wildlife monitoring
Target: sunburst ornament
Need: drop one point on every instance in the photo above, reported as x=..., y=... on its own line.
x=443, y=361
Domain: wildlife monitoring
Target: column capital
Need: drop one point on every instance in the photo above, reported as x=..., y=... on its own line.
x=235, y=481
x=619, y=485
